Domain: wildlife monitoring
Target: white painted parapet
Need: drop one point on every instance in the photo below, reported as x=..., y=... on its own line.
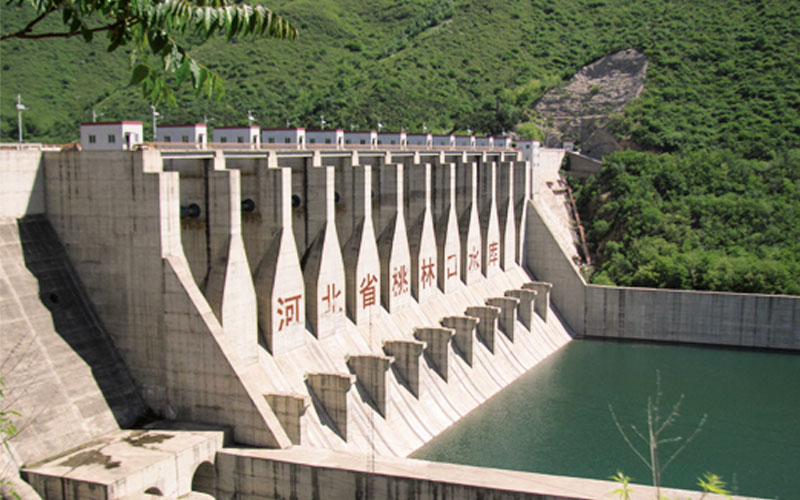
x=289, y=408
x=330, y=389
x=468, y=223
x=421, y=236
x=406, y=354
x=505, y=215
x=464, y=328
x=527, y=300
x=279, y=279
x=370, y=371
x=487, y=322
x=448, y=240
x=508, y=313
x=323, y=268
x=437, y=346
x=393, y=240
x=490, y=229
x=542, y=289
x=229, y=288
x=360, y=251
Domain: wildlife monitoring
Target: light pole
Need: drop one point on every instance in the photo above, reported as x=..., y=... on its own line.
x=20, y=108
x=250, y=117
x=322, y=121
x=156, y=114
x=95, y=115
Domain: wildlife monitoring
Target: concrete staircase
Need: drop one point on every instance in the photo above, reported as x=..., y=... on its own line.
x=61, y=371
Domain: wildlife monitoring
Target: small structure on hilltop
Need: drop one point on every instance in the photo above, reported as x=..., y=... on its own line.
x=361, y=138
x=296, y=136
x=249, y=134
x=329, y=137
x=186, y=133
x=111, y=136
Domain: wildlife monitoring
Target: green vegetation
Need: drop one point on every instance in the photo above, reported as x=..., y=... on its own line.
x=653, y=441
x=720, y=73
x=704, y=220
x=714, y=208
x=152, y=28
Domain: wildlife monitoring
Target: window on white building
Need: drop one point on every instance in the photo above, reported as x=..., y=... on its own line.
x=223, y=139
x=327, y=141
x=271, y=140
x=312, y=141
x=167, y=138
x=240, y=139
x=92, y=139
x=363, y=141
x=287, y=140
x=185, y=138
x=112, y=138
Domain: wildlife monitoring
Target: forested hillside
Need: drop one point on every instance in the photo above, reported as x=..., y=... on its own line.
x=711, y=204
x=722, y=73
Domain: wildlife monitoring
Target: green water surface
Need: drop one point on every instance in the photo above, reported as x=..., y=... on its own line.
x=555, y=419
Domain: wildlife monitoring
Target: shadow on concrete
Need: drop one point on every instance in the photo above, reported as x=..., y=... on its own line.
x=75, y=321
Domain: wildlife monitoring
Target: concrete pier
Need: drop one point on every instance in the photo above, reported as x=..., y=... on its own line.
x=505, y=215
x=464, y=328
x=490, y=229
x=289, y=408
x=487, y=323
x=406, y=354
x=279, y=280
x=393, y=240
x=437, y=347
x=370, y=371
x=448, y=241
x=360, y=251
x=323, y=268
x=508, y=313
x=542, y=290
x=527, y=300
x=522, y=193
x=229, y=287
x=468, y=222
x=421, y=236
x=330, y=389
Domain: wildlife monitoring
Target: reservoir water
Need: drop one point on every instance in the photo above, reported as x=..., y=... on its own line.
x=555, y=419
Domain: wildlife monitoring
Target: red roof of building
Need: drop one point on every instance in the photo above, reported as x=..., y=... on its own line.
x=282, y=129
x=110, y=123
x=182, y=125
x=249, y=127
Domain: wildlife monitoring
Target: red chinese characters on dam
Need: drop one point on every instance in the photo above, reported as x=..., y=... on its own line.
x=427, y=272
x=288, y=310
x=474, y=262
x=494, y=254
x=399, y=280
x=332, y=300
x=452, y=265
x=367, y=290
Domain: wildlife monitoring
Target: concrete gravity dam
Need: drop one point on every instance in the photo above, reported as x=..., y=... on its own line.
x=238, y=321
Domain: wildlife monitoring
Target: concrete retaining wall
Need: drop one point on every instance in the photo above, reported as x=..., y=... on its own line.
x=547, y=262
x=306, y=473
x=735, y=319
x=719, y=318
x=22, y=188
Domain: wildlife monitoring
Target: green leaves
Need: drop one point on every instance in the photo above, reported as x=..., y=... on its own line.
x=151, y=27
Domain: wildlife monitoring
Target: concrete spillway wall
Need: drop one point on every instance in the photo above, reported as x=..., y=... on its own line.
x=717, y=318
x=296, y=298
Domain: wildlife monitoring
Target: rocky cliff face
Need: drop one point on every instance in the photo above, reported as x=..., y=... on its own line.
x=579, y=110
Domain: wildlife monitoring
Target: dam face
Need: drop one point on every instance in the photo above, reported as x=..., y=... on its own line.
x=356, y=301
x=265, y=323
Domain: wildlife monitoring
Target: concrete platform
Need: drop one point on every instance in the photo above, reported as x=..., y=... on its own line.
x=129, y=464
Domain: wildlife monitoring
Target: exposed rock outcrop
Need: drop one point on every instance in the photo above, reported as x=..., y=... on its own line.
x=580, y=110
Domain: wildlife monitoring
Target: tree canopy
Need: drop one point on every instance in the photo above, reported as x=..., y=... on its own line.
x=154, y=30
